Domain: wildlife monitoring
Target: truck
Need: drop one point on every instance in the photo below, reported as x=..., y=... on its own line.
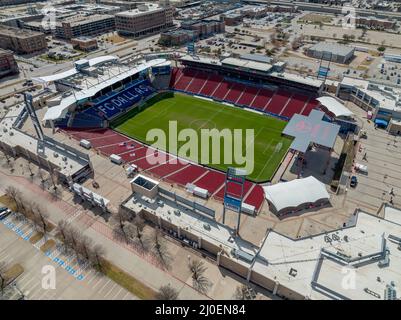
x=116, y=159
x=85, y=144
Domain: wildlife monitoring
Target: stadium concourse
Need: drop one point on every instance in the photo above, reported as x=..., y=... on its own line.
x=280, y=103
x=107, y=142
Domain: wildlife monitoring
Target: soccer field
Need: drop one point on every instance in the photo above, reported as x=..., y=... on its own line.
x=197, y=114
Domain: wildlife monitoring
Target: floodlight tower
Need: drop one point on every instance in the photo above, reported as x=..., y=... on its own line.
x=232, y=200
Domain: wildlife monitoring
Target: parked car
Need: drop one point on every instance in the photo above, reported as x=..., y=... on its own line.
x=354, y=182
x=5, y=213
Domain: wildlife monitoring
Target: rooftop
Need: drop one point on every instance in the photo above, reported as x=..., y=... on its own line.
x=334, y=48
x=143, y=9
x=297, y=263
x=18, y=33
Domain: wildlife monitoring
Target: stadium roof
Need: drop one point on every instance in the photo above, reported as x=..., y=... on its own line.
x=247, y=64
x=311, y=129
x=61, y=110
x=71, y=72
x=335, y=107
x=295, y=193
x=256, y=57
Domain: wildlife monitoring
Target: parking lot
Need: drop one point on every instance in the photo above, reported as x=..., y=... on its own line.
x=383, y=158
x=74, y=280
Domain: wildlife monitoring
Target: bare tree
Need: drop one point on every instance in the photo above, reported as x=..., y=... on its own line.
x=97, y=256
x=85, y=247
x=244, y=292
x=167, y=292
x=120, y=231
x=40, y=218
x=160, y=249
x=14, y=194
x=63, y=228
x=198, y=269
x=3, y=280
x=138, y=228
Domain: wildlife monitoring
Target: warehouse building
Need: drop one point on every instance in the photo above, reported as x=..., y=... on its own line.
x=147, y=18
x=22, y=41
x=332, y=52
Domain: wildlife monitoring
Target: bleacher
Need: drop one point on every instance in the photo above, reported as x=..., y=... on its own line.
x=281, y=102
x=110, y=142
x=107, y=106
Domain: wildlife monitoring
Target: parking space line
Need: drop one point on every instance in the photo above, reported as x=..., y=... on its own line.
x=111, y=290
x=125, y=295
x=104, y=286
x=117, y=294
x=99, y=281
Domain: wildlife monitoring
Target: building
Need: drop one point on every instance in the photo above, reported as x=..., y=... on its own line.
x=8, y=65
x=375, y=23
x=83, y=25
x=22, y=41
x=84, y=43
x=147, y=18
x=232, y=19
x=332, y=52
x=176, y=37
x=204, y=28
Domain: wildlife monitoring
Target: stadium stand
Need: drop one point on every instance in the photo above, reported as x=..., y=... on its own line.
x=281, y=102
x=110, y=142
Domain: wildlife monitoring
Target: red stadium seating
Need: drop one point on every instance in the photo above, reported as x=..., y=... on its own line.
x=211, y=84
x=197, y=83
x=234, y=189
x=168, y=168
x=212, y=181
x=187, y=175
x=313, y=104
x=235, y=92
x=278, y=101
x=296, y=105
x=262, y=98
x=185, y=79
x=248, y=96
x=222, y=90
x=256, y=197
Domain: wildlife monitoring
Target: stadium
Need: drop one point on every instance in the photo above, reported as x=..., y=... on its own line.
x=113, y=105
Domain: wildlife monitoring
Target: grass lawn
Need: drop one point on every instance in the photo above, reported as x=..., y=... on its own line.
x=191, y=112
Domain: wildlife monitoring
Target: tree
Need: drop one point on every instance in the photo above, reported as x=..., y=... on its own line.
x=198, y=269
x=85, y=247
x=3, y=280
x=244, y=292
x=96, y=257
x=40, y=219
x=119, y=230
x=167, y=292
x=160, y=249
x=14, y=195
x=139, y=225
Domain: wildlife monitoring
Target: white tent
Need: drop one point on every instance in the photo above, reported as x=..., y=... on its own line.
x=295, y=193
x=334, y=106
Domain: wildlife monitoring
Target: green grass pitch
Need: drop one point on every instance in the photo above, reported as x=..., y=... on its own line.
x=191, y=112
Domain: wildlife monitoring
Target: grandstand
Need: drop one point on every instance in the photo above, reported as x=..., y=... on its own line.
x=108, y=142
x=279, y=100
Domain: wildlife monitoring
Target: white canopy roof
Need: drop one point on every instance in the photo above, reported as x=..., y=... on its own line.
x=296, y=192
x=334, y=106
x=73, y=71
x=61, y=110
